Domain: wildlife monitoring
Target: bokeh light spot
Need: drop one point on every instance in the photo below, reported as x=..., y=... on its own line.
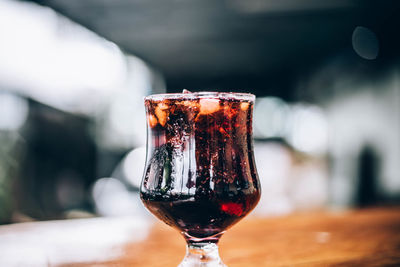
x=365, y=43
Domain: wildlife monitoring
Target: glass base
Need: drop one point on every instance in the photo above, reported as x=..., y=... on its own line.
x=202, y=255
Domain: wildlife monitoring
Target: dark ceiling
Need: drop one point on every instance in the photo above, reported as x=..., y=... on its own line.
x=255, y=45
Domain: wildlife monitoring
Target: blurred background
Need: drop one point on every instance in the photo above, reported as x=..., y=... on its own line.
x=73, y=75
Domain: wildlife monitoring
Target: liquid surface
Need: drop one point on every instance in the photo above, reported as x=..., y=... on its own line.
x=200, y=175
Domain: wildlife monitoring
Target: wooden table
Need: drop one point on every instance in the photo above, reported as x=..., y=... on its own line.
x=352, y=238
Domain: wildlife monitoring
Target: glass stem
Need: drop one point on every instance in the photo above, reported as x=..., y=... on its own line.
x=201, y=254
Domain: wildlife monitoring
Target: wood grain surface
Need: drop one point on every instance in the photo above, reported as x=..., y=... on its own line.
x=352, y=238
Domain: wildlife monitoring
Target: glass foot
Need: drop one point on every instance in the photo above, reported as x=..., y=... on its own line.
x=202, y=255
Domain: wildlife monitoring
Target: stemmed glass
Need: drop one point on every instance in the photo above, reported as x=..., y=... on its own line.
x=200, y=176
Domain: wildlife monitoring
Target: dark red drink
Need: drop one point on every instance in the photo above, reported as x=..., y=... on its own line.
x=200, y=175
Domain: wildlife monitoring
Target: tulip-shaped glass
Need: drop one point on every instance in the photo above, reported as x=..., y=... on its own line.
x=200, y=176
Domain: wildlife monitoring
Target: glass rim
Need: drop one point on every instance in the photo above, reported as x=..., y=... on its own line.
x=203, y=94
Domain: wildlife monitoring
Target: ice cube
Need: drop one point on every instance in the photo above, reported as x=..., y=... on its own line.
x=161, y=112
x=208, y=106
x=244, y=106
x=152, y=120
x=163, y=106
